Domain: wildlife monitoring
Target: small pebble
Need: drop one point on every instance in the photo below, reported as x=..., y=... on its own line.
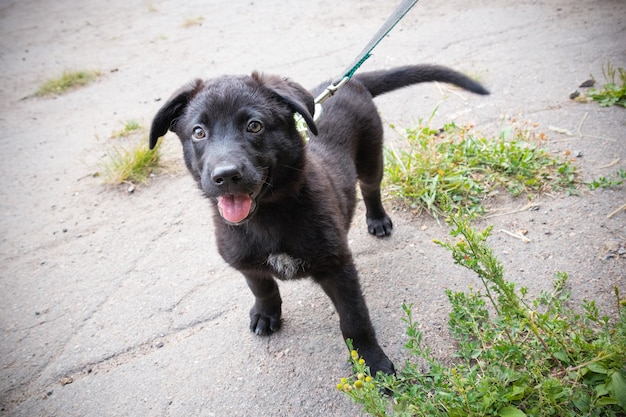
x=586, y=84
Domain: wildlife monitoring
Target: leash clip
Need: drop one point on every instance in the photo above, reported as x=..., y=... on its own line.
x=402, y=9
x=326, y=94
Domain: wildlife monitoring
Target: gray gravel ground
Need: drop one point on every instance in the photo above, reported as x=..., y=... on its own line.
x=117, y=304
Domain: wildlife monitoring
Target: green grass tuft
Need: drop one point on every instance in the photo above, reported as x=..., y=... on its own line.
x=66, y=81
x=131, y=166
x=130, y=126
x=613, y=92
x=459, y=167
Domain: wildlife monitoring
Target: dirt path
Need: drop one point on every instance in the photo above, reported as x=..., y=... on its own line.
x=125, y=295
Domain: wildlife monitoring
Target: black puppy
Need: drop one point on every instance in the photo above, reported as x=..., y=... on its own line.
x=283, y=206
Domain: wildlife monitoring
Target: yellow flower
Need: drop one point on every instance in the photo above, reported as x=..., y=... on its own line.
x=354, y=354
x=358, y=384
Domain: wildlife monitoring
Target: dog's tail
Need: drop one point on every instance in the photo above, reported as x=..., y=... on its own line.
x=384, y=81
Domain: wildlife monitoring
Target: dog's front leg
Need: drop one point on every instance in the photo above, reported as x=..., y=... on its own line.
x=266, y=311
x=344, y=290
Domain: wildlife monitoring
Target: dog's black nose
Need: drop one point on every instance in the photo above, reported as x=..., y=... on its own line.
x=226, y=175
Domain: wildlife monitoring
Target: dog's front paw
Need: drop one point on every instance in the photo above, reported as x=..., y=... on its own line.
x=380, y=227
x=263, y=323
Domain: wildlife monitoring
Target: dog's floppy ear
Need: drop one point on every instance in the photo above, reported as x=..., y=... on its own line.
x=166, y=117
x=296, y=96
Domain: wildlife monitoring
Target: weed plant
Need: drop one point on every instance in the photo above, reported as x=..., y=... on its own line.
x=67, y=80
x=613, y=91
x=457, y=165
x=130, y=126
x=515, y=357
x=608, y=182
x=131, y=165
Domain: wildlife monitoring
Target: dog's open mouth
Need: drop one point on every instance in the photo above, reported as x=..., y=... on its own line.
x=235, y=208
x=238, y=208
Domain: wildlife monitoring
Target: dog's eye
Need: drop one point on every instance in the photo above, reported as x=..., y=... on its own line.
x=198, y=133
x=254, y=126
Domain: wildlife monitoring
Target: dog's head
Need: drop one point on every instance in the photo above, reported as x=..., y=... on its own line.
x=239, y=138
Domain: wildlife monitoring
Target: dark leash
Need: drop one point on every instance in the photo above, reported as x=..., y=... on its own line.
x=402, y=9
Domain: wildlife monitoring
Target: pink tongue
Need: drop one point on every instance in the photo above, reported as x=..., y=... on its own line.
x=234, y=208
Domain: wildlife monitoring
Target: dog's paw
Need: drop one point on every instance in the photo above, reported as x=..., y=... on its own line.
x=264, y=324
x=378, y=361
x=379, y=227
x=385, y=366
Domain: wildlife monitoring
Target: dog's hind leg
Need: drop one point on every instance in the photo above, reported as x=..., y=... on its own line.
x=345, y=292
x=370, y=165
x=266, y=311
x=378, y=222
